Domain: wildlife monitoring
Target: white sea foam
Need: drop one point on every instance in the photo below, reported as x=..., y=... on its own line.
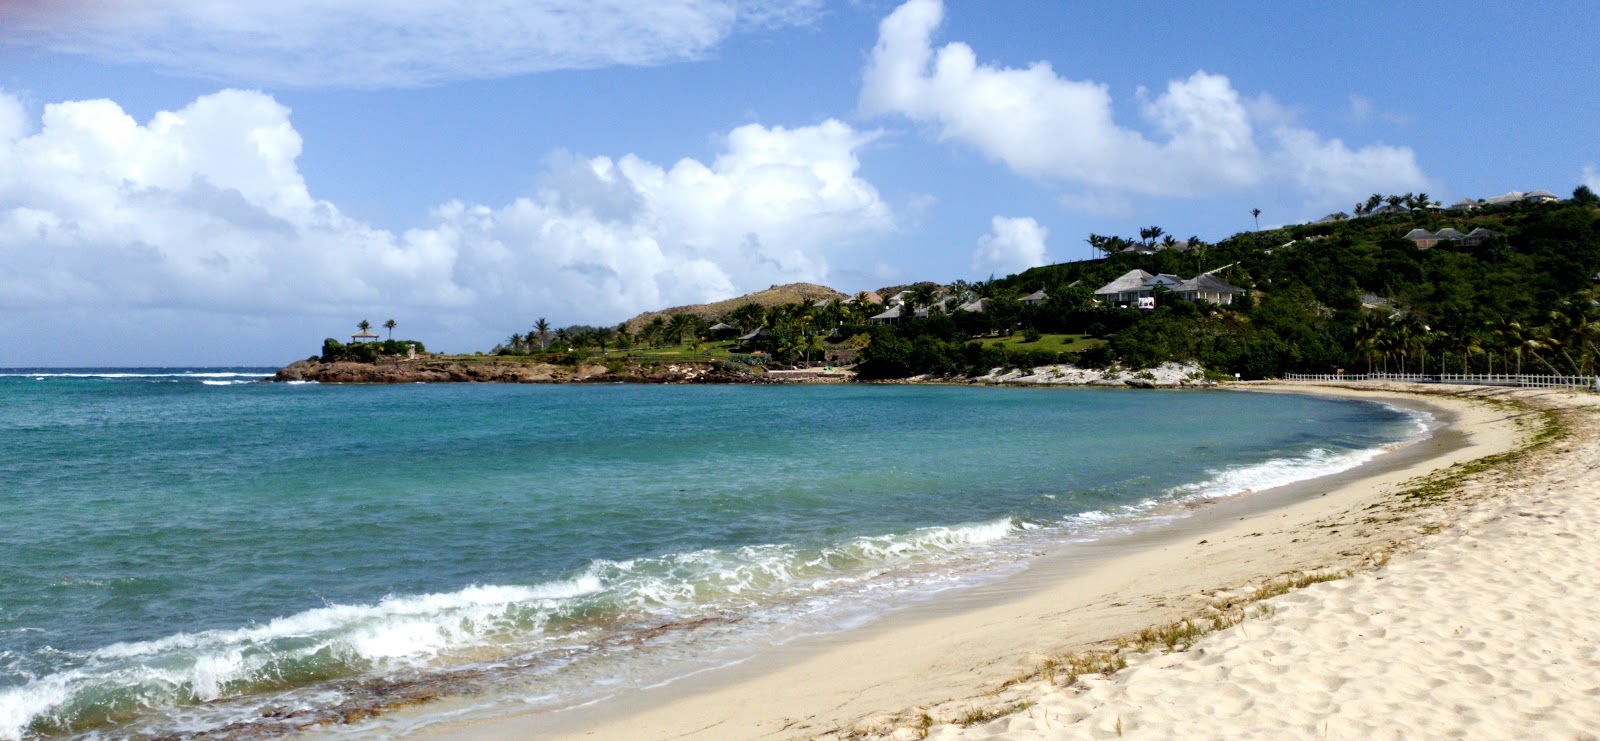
x=20, y=705
x=408, y=632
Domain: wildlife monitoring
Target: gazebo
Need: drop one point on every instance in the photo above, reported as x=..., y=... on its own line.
x=365, y=335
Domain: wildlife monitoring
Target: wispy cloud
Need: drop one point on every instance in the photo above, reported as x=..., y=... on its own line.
x=1363, y=111
x=1591, y=177
x=386, y=43
x=1209, y=138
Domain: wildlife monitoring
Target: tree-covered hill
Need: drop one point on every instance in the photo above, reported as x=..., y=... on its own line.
x=1525, y=295
x=1342, y=293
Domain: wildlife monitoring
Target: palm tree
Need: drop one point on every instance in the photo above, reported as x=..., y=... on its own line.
x=813, y=343
x=1255, y=213
x=1367, y=336
x=679, y=326
x=655, y=330
x=390, y=325
x=623, y=338
x=363, y=325
x=747, y=317
x=1394, y=202
x=1373, y=202
x=514, y=342
x=541, y=330
x=1518, y=340
x=920, y=297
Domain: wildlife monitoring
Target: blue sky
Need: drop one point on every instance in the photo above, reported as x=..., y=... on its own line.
x=189, y=183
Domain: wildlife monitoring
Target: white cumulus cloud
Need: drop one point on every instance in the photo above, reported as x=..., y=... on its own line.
x=380, y=43
x=204, y=210
x=1012, y=245
x=1206, y=137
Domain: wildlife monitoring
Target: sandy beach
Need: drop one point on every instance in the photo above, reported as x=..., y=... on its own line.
x=1467, y=614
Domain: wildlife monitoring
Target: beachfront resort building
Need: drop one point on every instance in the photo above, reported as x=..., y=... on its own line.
x=1137, y=289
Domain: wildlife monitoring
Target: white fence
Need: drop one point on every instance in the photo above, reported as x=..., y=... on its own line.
x=1590, y=383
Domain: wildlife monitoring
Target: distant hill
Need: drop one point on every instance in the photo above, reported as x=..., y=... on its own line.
x=774, y=296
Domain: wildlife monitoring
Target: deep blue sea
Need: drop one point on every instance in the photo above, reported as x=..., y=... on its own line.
x=188, y=551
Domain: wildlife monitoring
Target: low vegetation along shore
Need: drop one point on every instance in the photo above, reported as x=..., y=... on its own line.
x=1439, y=591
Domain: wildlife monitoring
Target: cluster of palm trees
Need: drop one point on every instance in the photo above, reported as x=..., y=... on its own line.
x=1411, y=201
x=1567, y=343
x=541, y=338
x=365, y=325
x=1149, y=236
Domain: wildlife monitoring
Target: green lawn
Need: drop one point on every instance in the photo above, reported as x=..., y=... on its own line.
x=1050, y=342
x=682, y=353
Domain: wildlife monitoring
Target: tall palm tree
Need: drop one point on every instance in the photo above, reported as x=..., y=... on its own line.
x=1255, y=213
x=364, y=325
x=390, y=325
x=1373, y=202
x=541, y=329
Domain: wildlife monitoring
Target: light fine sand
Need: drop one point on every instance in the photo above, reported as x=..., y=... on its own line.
x=1490, y=630
x=1477, y=616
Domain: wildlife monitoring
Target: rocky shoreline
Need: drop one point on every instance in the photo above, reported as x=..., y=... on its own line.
x=1165, y=376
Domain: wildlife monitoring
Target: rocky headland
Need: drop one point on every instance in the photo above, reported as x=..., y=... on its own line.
x=498, y=371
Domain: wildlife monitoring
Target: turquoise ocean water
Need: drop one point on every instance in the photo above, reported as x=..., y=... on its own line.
x=190, y=552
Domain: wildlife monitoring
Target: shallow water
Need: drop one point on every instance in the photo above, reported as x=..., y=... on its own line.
x=187, y=550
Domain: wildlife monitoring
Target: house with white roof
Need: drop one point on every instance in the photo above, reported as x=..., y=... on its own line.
x=1137, y=289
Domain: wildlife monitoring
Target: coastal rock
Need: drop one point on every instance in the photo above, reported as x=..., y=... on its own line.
x=1166, y=375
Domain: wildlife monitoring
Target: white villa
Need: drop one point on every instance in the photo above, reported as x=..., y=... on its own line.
x=1136, y=289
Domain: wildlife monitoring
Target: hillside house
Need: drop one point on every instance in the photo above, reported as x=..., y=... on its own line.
x=1478, y=237
x=1137, y=289
x=1422, y=238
